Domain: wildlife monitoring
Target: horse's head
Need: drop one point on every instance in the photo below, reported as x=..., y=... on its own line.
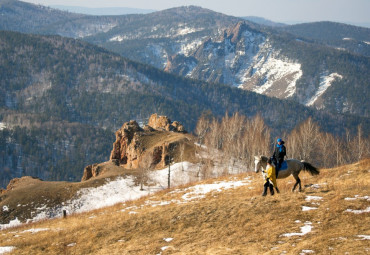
x=259, y=161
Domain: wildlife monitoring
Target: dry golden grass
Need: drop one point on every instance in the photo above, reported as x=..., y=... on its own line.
x=235, y=221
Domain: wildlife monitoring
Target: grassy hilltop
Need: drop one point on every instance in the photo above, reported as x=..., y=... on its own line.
x=218, y=216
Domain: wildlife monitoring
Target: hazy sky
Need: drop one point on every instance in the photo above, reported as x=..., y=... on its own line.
x=355, y=11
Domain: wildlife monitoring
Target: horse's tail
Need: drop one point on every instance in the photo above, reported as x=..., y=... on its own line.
x=310, y=168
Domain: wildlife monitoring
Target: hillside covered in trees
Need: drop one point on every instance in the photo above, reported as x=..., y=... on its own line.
x=323, y=65
x=66, y=82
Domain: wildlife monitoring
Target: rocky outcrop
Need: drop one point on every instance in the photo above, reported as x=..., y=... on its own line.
x=91, y=171
x=164, y=123
x=95, y=170
x=132, y=142
x=125, y=148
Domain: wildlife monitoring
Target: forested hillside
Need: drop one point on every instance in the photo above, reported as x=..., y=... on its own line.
x=323, y=65
x=337, y=35
x=65, y=81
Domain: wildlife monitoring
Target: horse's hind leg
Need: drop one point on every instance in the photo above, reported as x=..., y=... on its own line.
x=298, y=182
x=277, y=190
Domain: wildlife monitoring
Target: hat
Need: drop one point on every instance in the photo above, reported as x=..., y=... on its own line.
x=279, y=140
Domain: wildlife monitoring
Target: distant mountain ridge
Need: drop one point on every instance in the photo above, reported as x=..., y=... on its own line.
x=336, y=35
x=102, y=11
x=263, y=21
x=326, y=69
x=62, y=99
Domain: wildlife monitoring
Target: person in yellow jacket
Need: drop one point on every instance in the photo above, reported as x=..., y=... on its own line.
x=270, y=178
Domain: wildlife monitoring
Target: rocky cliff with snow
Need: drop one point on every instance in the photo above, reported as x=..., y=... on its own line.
x=303, y=63
x=160, y=142
x=161, y=138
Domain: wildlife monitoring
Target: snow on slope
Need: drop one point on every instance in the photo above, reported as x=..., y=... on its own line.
x=187, y=47
x=325, y=82
x=123, y=189
x=270, y=74
x=275, y=69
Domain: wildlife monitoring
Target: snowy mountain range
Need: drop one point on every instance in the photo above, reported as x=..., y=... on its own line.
x=304, y=63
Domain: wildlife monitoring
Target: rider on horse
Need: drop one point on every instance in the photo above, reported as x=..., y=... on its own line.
x=279, y=153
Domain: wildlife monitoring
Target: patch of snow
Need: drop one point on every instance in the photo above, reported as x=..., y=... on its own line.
x=2, y=125
x=364, y=237
x=274, y=69
x=307, y=208
x=169, y=239
x=11, y=224
x=367, y=210
x=188, y=30
x=35, y=230
x=357, y=197
x=325, y=82
x=117, y=38
x=307, y=228
x=186, y=48
x=306, y=251
x=5, y=208
x=165, y=248
x=160, y=203
x=41, y=208
x=310, y=198
x=6, y=249
x=113, y=192
x=317, y=185
x=124, y=189
x=200, y=191
x=181, y=173
x=159, y=52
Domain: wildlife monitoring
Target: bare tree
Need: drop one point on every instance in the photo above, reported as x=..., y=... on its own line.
x=182, y=152
x=146, y=164
x=202, y=127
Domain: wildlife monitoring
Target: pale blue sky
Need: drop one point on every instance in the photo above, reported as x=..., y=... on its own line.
x=348, y=11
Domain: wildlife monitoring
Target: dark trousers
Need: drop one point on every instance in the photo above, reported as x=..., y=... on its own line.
x=269, y=186
x=278, y=163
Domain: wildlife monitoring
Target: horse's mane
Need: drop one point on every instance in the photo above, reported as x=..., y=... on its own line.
x=264, y=158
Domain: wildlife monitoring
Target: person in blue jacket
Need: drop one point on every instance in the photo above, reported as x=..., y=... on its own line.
x=279, y=153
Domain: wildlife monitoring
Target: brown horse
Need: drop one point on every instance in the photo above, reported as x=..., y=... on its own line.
x=294, y=168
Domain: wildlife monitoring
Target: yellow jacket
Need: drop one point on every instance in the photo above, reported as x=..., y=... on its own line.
x=271, y=174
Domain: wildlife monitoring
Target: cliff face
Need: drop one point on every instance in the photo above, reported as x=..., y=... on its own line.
x=133, y=142
x=126, y=146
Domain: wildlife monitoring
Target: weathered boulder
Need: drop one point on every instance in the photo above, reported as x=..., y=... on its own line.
x=90, y=171
x=178, y=127
x=159, y=122
x=164, y=123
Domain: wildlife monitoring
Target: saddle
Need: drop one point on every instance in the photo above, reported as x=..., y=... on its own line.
x=283, y=166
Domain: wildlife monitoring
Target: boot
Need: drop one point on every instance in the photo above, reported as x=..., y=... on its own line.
x=271, y=189
x=264, y=191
